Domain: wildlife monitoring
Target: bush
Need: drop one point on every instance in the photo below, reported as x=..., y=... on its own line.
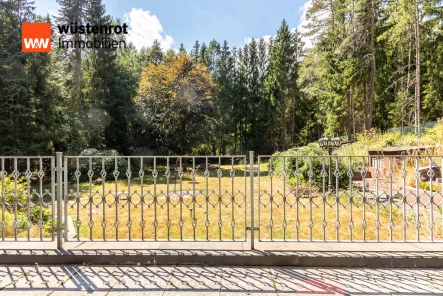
x=35, y=215
x=21, y=220
x=305, y=156
x=9, y=189
x=427, y=186
x=97, y=165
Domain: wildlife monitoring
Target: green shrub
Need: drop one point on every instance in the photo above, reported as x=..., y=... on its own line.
x=83, y=168
x=426, y=186
x=306, y=155
x=9, y=186
x=35, y=215
x=21, y=220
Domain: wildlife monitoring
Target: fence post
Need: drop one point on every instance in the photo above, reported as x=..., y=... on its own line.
x=251, y=180
x=59, y=199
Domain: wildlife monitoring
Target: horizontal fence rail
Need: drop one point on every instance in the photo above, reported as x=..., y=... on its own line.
x=349, y=198
x=155, y=198
x=27, y=194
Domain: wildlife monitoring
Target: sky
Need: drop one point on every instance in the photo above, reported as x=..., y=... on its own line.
x=173, y=22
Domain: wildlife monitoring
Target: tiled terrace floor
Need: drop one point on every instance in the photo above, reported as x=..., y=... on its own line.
x=216, y=280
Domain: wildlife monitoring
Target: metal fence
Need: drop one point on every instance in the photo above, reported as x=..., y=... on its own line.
x=27, y=198
x=156, y=198
x=207, y=198
x=371, y=198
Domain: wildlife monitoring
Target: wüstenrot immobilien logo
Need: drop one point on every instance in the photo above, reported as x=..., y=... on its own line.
x=36, y=37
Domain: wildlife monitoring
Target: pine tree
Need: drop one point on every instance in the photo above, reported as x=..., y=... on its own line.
x=156, y=53
x=279, y=84
x=73, y=11
x=182, y=50
x=203, y=56
x=195, y=52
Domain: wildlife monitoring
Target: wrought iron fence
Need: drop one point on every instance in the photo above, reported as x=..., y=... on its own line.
x=155, y=198
x=344, y=198
x=205, y=198
x=27, y=196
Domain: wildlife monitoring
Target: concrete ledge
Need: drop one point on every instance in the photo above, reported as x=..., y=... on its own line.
x=296, y=260
x=419, y=255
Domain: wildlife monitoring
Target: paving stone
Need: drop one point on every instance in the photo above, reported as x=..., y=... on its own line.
x=33, y=280
x=144, y=279
x=247, y=280
x=77, y=293
x=305, y=281
x=95, y=278
x=191, y=280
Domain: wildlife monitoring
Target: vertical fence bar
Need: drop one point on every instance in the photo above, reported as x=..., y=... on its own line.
x=311, y=221
x=220, y=175
x=259, y=196
x=65, y=190
x=3, y=174
x=391, y=221
x=403, y=173
x=90, y=175
x=77, y=198
x=271, y=198
x=103, y=174
x=284, y=197
x=206, y=173
x=363, y=182
x=351, y=222
x=59, y=162
x=377, y=200
x=155, y=174
x=417, y=197
x=168, y=198
x=323, y=174
x=297, y=198
x=141, y=173
x=180, y=174
x=28, y=197
x=194, y=222
x=232, y=198
x=245, y=168
x=129, y=199
x=431, y=201
x=41, y=198
x=53, y=198
x=15, y=174
x=337, y=200
x=116, y=173
x=251, y=182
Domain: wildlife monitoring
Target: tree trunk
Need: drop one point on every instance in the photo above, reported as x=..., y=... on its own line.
x=417, y=68
x=372, y=86
x=294, y=114
x=351, y=107
x=283, y=133
x=366, y=104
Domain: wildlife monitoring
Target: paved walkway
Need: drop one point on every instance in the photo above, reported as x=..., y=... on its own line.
x=222, y=280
